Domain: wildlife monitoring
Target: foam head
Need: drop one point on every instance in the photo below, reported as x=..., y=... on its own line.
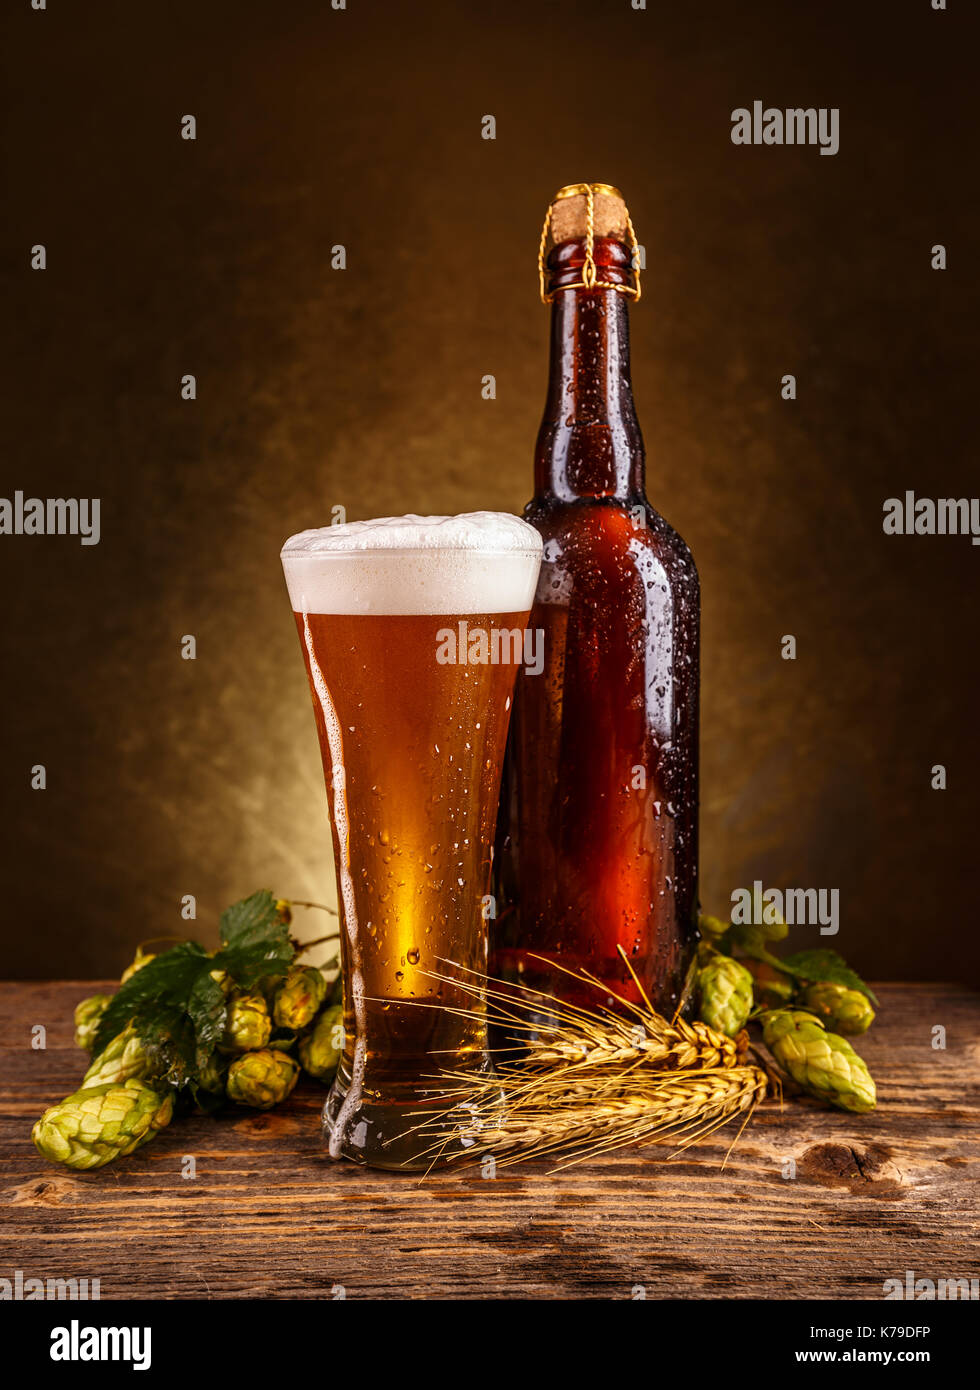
x=479, y=562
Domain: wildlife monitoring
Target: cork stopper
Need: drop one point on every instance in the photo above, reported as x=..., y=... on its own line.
x=602, y=256
x=569, y=212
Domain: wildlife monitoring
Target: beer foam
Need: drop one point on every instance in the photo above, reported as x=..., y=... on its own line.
x=479, y=562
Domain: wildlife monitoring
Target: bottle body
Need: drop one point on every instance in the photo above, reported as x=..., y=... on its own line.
x=597, y=839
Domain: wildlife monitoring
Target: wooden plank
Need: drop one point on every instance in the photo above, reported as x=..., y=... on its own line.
x=268, y=1215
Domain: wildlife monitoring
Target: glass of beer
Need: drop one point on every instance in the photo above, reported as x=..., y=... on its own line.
x=412, y=629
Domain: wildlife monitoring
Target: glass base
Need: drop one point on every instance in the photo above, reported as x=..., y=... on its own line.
x=406, y=1132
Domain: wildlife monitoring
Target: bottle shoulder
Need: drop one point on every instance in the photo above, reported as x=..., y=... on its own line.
x=585, y=531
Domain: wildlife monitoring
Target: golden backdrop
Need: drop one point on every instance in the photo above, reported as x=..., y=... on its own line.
x=361, y=387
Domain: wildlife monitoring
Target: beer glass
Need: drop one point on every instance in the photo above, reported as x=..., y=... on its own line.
x=412, y=630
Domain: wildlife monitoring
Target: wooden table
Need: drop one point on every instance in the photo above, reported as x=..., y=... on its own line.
x=269, y=1216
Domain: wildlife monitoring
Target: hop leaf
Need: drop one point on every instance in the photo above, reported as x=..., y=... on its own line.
x=254, y=940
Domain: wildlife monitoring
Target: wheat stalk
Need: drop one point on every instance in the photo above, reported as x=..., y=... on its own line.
x=612, y=1042
x=677, y=1106
x=574, y=1036
x=587, y=1080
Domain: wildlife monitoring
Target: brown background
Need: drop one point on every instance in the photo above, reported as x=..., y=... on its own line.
x=362, y=388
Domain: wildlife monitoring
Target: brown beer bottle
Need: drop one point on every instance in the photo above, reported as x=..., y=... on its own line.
x=597, y=837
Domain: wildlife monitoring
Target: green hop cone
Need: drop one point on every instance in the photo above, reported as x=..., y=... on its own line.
x=726, y=995
x=224, y=981
x=823, y=1063
x=211, y=1077
x=100, y=1123
x=712, y=928
x=207, y=1084
x=139, y=960
x=247, y=1024
x=772, y=989
x=321, y=1049
x=299, y=996
x=262, y=1079
x=847, y=1010
x=124, y=1059
x=267, y=986
x=88, y=1016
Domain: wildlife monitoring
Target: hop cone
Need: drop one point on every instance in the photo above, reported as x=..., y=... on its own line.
x=847, y=1010
x=211, y=1077
x=88, y=1016
x=822, y=1063
x=320, y=1050
x=299, y=996
x=100, y=1123
x=773, y=989
x=726, y=995
x=262, y=1079
x=124, y=1059
x=247, y=1024
x=139, y=960
x=267, y=986
x=223, y=980
x=711, y=928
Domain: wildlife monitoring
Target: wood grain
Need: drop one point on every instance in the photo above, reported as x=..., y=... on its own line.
x=269, y=1216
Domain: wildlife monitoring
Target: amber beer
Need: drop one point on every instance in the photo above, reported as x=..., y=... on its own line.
x=412, y=631
x=598, y=835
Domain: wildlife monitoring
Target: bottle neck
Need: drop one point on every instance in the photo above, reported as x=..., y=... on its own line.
x=589, y=444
